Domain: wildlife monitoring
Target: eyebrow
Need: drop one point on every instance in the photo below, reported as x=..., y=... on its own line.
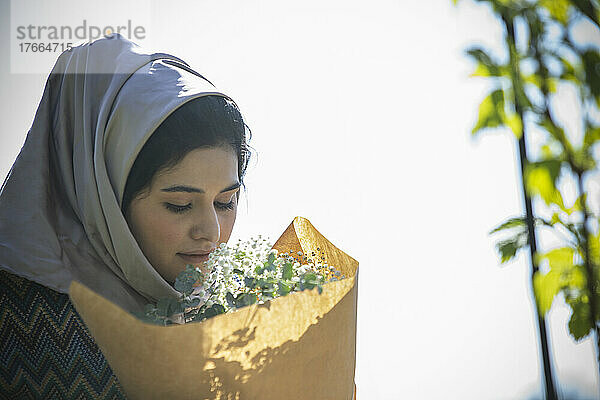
x=191, y=189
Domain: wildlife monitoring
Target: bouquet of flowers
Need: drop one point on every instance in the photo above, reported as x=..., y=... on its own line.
x=238, y=276
x=282, y=342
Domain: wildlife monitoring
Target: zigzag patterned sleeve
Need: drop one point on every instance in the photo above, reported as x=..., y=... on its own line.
x=46, y=351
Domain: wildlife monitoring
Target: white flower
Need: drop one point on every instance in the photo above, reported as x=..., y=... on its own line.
x=248, y=257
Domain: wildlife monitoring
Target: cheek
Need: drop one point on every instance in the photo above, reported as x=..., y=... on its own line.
x=164, y=232
x=155, y=231
x=226, y=223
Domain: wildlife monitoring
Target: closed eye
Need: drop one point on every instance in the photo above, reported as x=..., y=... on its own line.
x=225, y=206
x=177, y=208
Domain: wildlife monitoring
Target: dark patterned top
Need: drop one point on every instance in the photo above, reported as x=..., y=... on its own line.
x=46, y=351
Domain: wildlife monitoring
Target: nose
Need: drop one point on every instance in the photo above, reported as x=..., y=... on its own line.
x=205, y=225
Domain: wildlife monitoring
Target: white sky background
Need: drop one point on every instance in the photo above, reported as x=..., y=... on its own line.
x=361, y=119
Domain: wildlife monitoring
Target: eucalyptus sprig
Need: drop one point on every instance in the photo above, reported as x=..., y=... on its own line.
x=236, y=276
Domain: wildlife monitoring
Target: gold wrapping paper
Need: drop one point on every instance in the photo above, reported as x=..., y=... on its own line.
x=300, y=346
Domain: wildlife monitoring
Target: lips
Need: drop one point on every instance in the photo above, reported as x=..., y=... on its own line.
x=194, y=258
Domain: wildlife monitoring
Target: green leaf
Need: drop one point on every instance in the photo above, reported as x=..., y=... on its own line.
x=592, y=136
x=558, y=9
x=517, y=222
x=287, y=272
x=594, y=245
x=492, y=115
x=267, y=294
x=304, y=284
x=309, y=281
x=580, y=324
x=569, y=73
x=270, y=263
x=575, y=279
x=485, y=65
x=560, y=259
x=250, y=282
x=283, y=288
x=546, y=287
x=213, y=310
x=264, y=283
x=310, y=276
x=540, y=179
x=563, y=274
x=491, y=112
x=184, y=282
x=481, y=71
x=230, y=299
x=245, y=299
x=513, y=121
x=591, y=65
x=508, y=248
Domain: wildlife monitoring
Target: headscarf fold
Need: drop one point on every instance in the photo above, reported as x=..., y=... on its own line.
x=60, y=205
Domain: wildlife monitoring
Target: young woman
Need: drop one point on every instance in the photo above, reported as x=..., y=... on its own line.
x=131, y=170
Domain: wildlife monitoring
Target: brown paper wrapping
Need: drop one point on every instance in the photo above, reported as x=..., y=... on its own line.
x=301, y=346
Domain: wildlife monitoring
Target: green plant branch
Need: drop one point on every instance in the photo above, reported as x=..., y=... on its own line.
x=591, y=281
x=571, y=269
x=578, y=170
x=550, y=389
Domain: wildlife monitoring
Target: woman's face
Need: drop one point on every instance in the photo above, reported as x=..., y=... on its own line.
x=187, y=211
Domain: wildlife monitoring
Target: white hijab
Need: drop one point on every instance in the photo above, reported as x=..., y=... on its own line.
x=60, y=205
